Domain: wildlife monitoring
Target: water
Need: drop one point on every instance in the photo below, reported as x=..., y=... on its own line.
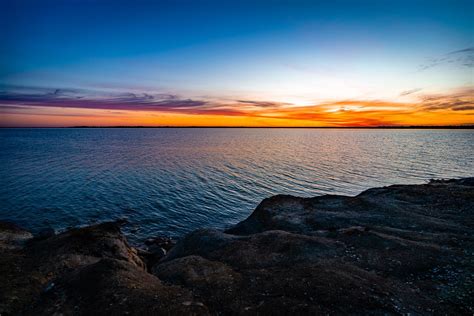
x=172, y=181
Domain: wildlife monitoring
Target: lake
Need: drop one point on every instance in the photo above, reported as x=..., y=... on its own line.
x=174, y=180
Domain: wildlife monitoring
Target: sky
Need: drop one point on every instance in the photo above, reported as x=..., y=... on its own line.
x=236, y=63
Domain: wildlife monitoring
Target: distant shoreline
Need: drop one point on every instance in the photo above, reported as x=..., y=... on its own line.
x=259, y=127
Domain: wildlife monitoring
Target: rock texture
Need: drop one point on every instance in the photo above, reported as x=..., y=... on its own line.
x=12, y=236
x=393, y=250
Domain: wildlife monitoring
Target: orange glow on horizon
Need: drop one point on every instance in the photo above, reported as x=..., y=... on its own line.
x=452, y=108
x=333, y=115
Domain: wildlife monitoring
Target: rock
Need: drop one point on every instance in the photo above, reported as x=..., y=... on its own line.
x=163, y=242
x=152, y=256
x=195, y=270
x=45, y=233
x=271, y=248
x=26, y=272
x=81, y=246
x=403, y=205
x=18, y=285
x=403, y=249
x=373, y=253
x=157, y=251
x=12, y=236
x=115, y=287
x=215, y=282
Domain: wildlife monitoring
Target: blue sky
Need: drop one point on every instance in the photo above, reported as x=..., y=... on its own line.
x=299, y=52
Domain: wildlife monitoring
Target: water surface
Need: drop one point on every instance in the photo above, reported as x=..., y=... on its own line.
x=172, y=181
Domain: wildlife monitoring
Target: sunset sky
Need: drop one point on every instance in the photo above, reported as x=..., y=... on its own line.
x=236, y=63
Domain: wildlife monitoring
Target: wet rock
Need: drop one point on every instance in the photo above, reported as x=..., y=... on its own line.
x=162, y=242
x=152, y=255
x=158, y=251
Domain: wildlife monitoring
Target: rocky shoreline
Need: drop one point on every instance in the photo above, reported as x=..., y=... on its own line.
x=393, y=250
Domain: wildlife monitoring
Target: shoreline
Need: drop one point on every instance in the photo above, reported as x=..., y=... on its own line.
x=396, y=249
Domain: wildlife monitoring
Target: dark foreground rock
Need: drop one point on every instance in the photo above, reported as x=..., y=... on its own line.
x=394, y=250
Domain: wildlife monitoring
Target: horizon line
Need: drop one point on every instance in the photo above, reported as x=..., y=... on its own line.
x=470, y=126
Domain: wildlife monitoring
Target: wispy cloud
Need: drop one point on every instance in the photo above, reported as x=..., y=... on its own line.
x=460, y=100
x=346, y=112
x=408, y=92
x=463, y=57
x=263, y=104
x=85, y=99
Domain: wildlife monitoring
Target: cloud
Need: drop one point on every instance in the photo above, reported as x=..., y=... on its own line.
x=408, y=92
x=347, y=112
x=464, y=108
x=465, y=50
x=463, y=57
x=263, y=104
x=126, y=101
x=459, y=100
x=12, y=107
x=90, y=99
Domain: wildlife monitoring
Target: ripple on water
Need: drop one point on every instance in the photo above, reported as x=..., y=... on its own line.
x=171, y=181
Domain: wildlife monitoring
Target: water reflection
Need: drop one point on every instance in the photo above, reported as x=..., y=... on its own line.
x=176, y=180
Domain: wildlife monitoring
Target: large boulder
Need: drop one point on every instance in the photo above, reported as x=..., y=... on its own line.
x=399, y=249
x=115, y=287
x=28, y=266
x=82, y=246
x=439, y=206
